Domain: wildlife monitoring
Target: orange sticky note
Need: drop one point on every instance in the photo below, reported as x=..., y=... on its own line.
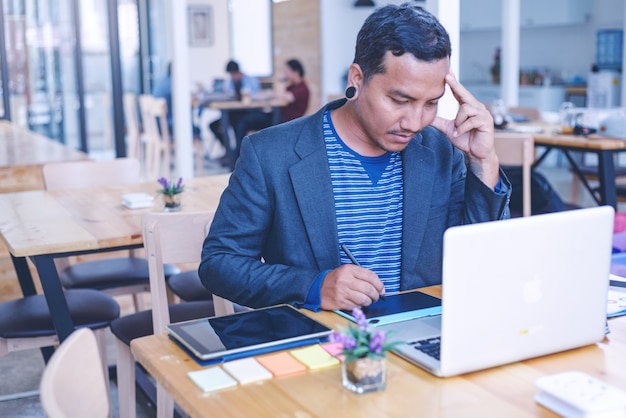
x=281, y=364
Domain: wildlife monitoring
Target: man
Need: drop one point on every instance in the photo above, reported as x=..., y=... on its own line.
x=238, y=84
x=380, y=174
x=295, y=93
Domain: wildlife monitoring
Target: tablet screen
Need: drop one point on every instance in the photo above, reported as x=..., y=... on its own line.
x=399, y=307
x=220, y=336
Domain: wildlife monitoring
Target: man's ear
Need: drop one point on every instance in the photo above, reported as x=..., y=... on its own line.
x=355, y=76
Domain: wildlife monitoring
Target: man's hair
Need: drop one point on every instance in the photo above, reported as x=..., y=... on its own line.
x=400, y=29
x=232, y=67
x=296, y=66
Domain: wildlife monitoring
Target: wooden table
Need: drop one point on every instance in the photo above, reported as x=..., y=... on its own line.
x=505, y=391
x=23, y=153
x=226, y=107
x=43, y=225
x=605, y=148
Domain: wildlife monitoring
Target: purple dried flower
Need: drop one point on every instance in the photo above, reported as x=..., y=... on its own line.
x=360, y=318
x=377, y=341
x=362, y=340
x=349, y=343
x=163, y=182
x=346, y=341
x=170, y=188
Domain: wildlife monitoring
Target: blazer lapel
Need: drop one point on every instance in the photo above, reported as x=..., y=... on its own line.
x=417, y=164
x=312, y=186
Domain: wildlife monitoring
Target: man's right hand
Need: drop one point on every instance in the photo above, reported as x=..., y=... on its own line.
x=349, y=286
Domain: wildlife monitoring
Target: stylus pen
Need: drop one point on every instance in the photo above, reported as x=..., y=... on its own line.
x=356, y=263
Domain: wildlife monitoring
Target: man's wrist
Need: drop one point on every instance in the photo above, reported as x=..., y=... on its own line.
x=487, y=170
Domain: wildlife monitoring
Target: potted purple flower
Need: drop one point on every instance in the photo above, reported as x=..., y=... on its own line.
x=364, y=368
x=171, y=193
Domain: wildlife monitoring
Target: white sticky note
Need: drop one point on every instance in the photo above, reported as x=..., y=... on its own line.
x=247, y=370
x=212, y=379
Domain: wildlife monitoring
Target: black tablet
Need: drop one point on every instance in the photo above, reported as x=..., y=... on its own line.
x=399, y=307
x=223, y=336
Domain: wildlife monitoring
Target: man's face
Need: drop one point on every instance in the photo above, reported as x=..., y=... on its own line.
x=392, y=107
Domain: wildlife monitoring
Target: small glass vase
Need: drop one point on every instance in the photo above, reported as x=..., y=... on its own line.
x=363, y=375
x=172, y=203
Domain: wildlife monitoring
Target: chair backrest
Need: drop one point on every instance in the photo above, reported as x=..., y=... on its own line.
x=159, y=111
x=73, y=383
x=515, y=149
x=79, y=174
x=174, y=238
x=133, y=132
x=89, y=173
x=156, y=133
x=145, y=104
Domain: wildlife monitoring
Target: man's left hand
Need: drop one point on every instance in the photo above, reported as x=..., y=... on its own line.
x=472, y=131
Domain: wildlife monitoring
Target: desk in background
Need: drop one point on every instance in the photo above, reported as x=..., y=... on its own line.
x=42, y=225
x=504, y=391
x=605, y=148
x=22, y=155
x=226, y=107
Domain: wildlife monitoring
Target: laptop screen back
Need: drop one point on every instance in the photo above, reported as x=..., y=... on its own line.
x=524, y=287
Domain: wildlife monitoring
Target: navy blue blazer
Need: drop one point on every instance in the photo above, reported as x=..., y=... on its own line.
x=275, y=228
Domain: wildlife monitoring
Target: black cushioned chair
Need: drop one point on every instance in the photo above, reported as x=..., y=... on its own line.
x=26, y=323
x=188, y=287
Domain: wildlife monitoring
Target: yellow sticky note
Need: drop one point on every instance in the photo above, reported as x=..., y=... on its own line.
x=314, y=357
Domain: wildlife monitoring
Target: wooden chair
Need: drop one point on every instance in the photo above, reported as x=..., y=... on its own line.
x=515, y=149
x=168, y=238
x=73, y=383
x=133, y=130
x=114, y=275
x=157, y=143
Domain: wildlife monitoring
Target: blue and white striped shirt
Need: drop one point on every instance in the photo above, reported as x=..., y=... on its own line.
x=368, y=206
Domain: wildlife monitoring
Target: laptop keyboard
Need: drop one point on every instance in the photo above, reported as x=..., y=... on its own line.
x=429, y=346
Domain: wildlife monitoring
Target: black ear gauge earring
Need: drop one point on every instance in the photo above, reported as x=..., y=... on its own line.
x=350, y=92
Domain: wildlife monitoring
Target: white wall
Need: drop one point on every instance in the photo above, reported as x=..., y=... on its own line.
x=207, y=63
x=251, y=36
x=568, y=50
x=340, y=22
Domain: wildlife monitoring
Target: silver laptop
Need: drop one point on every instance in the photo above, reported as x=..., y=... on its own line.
x=514, y=290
